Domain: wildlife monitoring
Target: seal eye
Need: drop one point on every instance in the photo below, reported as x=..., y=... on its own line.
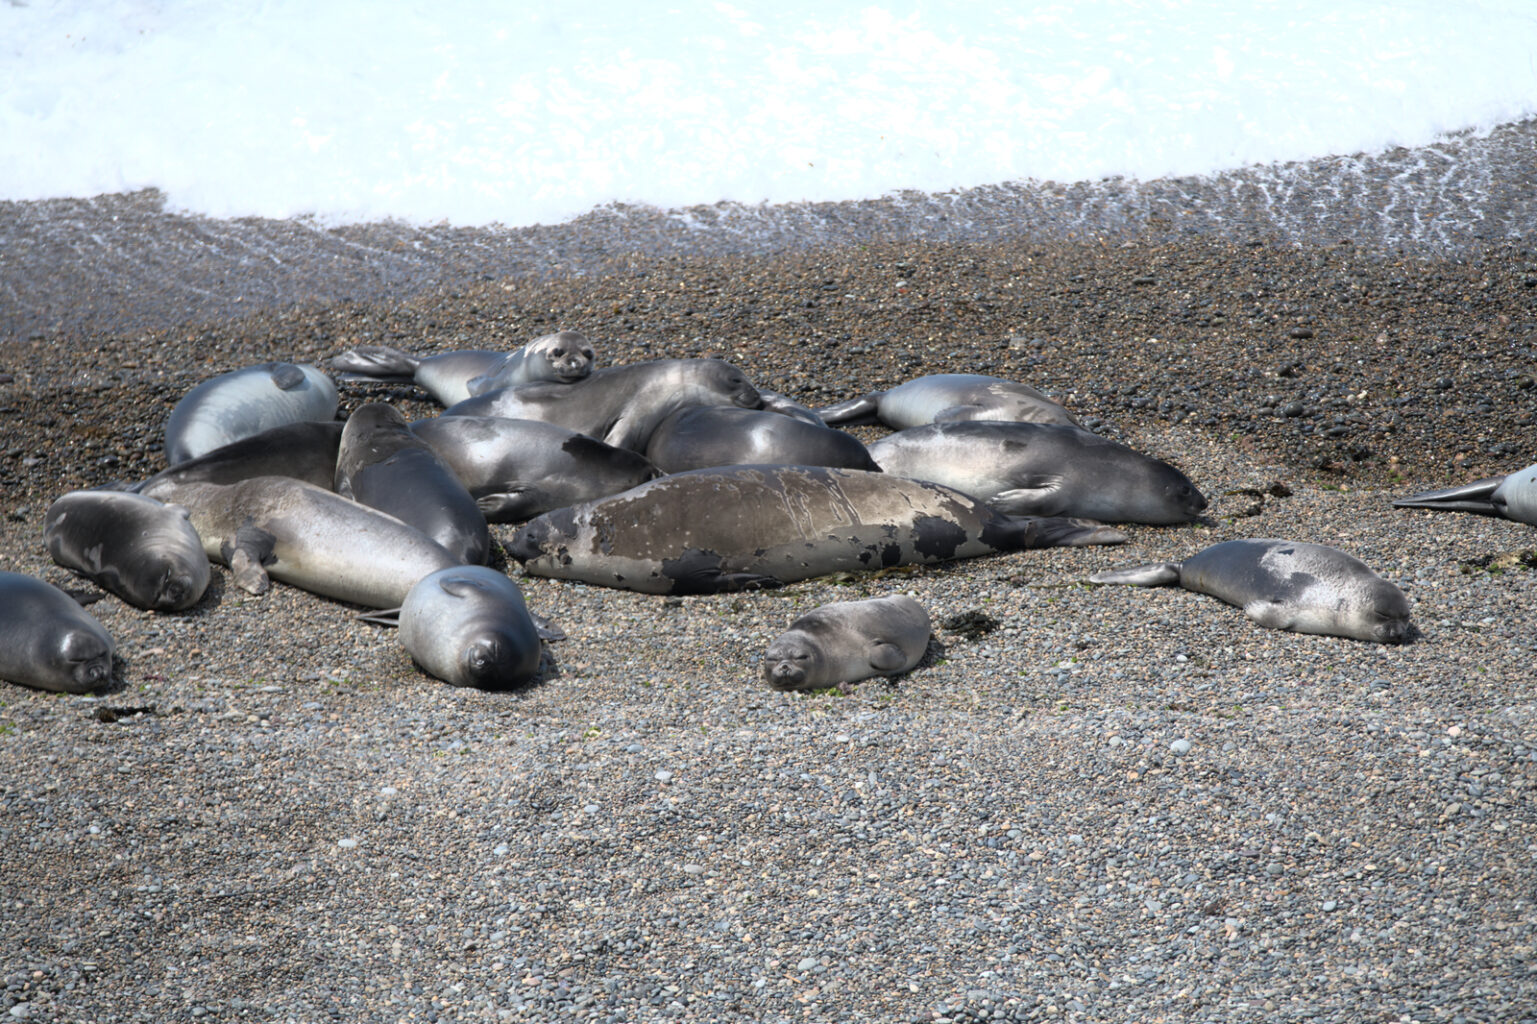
x=557, y=353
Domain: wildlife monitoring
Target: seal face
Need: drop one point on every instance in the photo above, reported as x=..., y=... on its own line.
x=1281, y=584
x=1512, y=497
x=1043, y=469
x=705, y=436
x=47, y=641
x=469, y=626
x=846, y=641
x=244, y=402
x=143, y=551
x=562, y=357
x=950, y=396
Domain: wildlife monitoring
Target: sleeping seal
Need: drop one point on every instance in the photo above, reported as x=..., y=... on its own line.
x=563, y=357
x=1042, y=469
x=847, y=641
x=738, y=527
x=445, y=376
x=1282, y=584
x=245, y=402
x=720, y=435
x=1511, y=497
x=143, y=551
x=49, y=642
x=950, y=396
x=305, y=451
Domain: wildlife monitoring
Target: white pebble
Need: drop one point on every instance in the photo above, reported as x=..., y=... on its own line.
x=663, y=776
x=1180, y=746
x=347, y=843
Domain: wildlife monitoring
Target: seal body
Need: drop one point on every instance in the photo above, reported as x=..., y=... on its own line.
x=847, y=641
x=244, y=402
x=620, y=405
x=1043, y=469
x=1511, y=497
x=305, y=451
x=517, y=469
x=383, y=465
x=704, y=436
x=562, y=357
x=138, y=548
x=49, y=642
x=445, y=376
x=469, y=626
x=1282, y=584
x=739, y=527
x=950, y=396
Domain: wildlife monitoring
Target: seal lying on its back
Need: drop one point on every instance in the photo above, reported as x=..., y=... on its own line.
x=1511, y=497
x=1042, y=469
x=950, y=396
x=722, y=435
x=847, y=641
x=244, y=402
x=143, y=551
x=445, y=376
x=1281, y=584
x=716, y=530
x=564, y=357
x=49, y=642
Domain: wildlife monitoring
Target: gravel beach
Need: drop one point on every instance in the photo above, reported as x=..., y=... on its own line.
x=1087, y=804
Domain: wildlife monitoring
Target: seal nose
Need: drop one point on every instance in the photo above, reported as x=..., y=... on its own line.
x=528, y=542
x=783, y=674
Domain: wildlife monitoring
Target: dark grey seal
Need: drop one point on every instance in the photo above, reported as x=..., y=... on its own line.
x=445, y=376
x=1282, y=584
x=1042, y=469
x=244, y=402
x=564, y=357
x=716, y=530
x=847, y=641
x=950, y=396
x=49, y=642
x=305, y=451
x=140, y=549
x=1511, y=497
x=720, y=435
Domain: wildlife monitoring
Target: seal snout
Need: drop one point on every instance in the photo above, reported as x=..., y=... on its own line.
x=783, y=673
x=528, y=542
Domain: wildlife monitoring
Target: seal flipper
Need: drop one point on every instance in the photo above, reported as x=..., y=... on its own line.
x=377, y=362
x=1156, y=574
x=386, y=617
x=287, y=376
x=1039, y=496
x=1018, y=533
x=1473, y=497
x=515, y=504
x=855, y=410
x=1270, y=613
x=886, y=657
x=546, y=629
x=247, y=554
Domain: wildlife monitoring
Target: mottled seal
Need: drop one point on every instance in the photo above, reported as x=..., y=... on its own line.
x=245, y=402
x=445, y=376
x=620, y=405
x=383, y=465
x=140, y=549
x=720, y=435
x=1042, y=469
x=564, y=357
x=739, y=527
x=1511, y=497
x=469, y=626
x=305, y=451
x=1282, y=584
x=847, y=641
x=49, y=642
x=950, y=396
x=517, y=469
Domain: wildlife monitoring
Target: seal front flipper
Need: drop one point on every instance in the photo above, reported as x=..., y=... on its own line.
x=287, y=376
x=386, y=617
x=1156, y=574
x=854, y=411
x=515, y=504
x=887, y=657
x=546, y=629
x=247, y=554
x=377, y=362
x=1038, y=497
x=1271, y=613
x=1474, y=497
x=1060, y=532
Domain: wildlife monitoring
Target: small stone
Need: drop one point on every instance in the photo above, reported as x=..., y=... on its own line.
x=1180, y=746
x=347, y=843
x=663, y=775
x=806, y=964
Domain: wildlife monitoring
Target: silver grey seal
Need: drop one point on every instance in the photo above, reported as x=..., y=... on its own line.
x=1282, y=584
x=244, y=402
x=49, y=642
x=846, y=641
x=142, y=550
x=1042, y=469
x=564, y=356
x=445, y=376
x=950, y=396
x=719, y=435
x=714, y=530
x=1512, y=497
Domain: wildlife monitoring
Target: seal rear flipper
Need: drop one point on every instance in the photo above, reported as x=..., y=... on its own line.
x=1062, y=532
x=385, y=617
x=855, y=410
x=247, y=553
x=886, y=657
x=376, y=362
x=1473, y=497
x=1155, y=574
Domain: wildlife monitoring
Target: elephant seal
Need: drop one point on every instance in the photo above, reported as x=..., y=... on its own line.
x=445, y=376
x=49, y=642
x=563, y=357
x=140, y=549
x=517, y=469
x=620, y=405
x=950, y=396
x=245, y=402
x=309, y=537
x=1511, y=497
x=383, y=465
x=847, y=641
x=468, y=626
x=1282, y=584
x=305, y=451
x=1042, y=469
x=720, y=435
x=714, y=530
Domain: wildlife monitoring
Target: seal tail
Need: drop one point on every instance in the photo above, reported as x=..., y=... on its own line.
x=1473, y=497
x=376, y=362
x=1155, y=574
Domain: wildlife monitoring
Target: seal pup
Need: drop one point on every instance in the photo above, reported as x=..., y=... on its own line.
x=305, y=451
x=245, y=402
x=950, y=396
x=1282, y=584
x=620, y=405
x=142, y=550
x=309, y=537
x=49, y=642
x=564, y=356
x=445, y=376
x=518, y=469
x=846, y=641
x=739, y=527
x=1042, y=469
x=720, y=435
x=1512, y=497
x=469, y=626
x=383, y=465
